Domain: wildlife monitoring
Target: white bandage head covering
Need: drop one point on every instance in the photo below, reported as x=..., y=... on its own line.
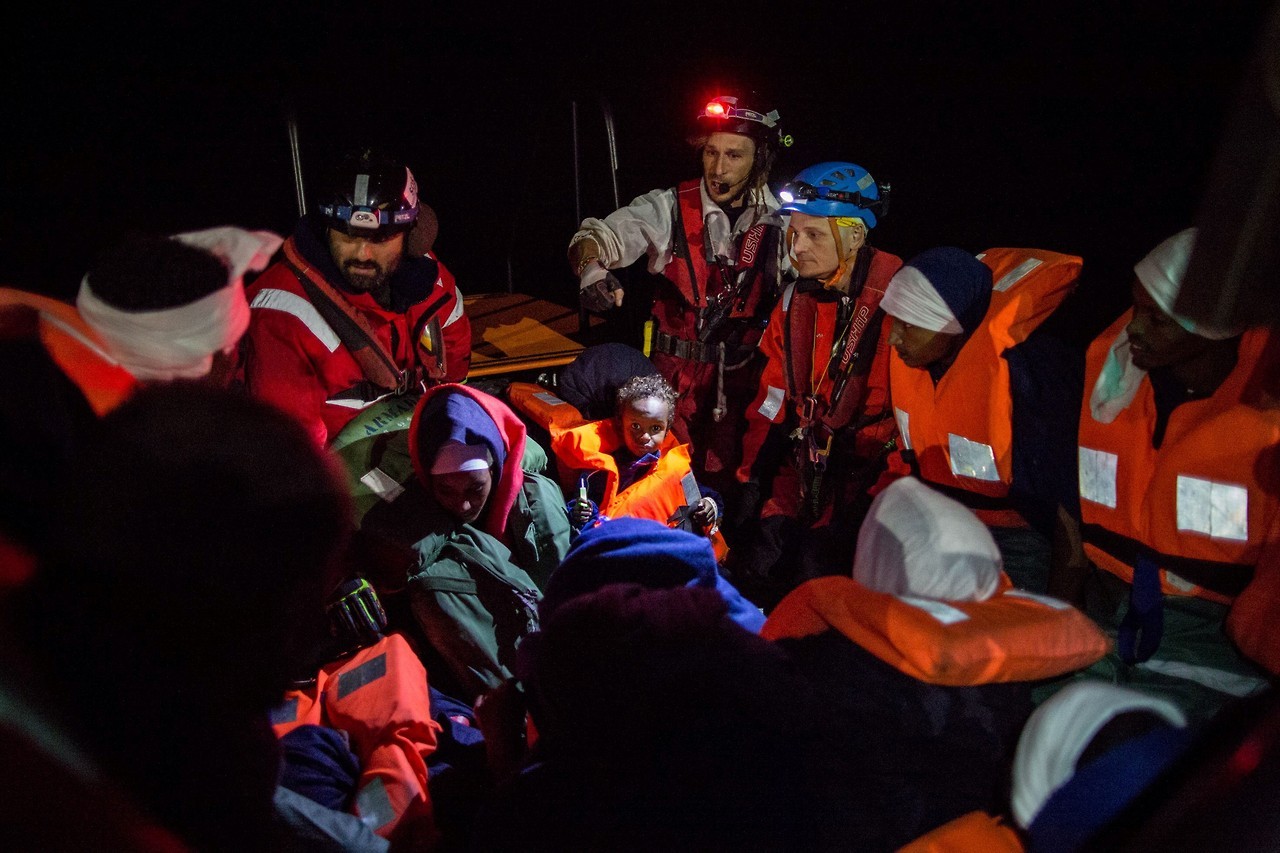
x=1160, y=273
x=912, y=298
x=918, y=542
x=180, y=342
x=1061, y=729
x=454, y=457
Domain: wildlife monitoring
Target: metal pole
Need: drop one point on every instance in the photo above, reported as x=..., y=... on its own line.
x=299, y=187
x=577, y=165
x=613, y=149
x=583, y=319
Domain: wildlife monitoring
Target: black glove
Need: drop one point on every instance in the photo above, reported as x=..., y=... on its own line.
x=356, y=617
x=599, y=296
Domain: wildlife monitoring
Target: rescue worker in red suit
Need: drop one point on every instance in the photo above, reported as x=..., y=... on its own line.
x=355, y=310
x=971, y=366
x=819, y=427
x=1178, y=503
x=716, y=242
x=632, y=465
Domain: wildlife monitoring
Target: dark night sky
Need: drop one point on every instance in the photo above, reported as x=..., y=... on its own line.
x=1087, y=128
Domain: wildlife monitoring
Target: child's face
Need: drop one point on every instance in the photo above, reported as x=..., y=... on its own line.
x=463, y=494
x=644, y=424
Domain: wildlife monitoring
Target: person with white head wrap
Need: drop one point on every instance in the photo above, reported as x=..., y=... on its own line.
x=165, y=307
x=1160, y=274
x=918, y=542
x=169, y=336
x=1085, y=754
x=983, y=396
x=1176, y=508
x=921, y=748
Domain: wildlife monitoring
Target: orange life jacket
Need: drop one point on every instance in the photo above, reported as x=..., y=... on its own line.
x=975, y=832
x=543, y=407
x=658, y=495
x=1200, y=505
x=76, y=349
x=1012, y=636
x=379, y=697
x=961, y=430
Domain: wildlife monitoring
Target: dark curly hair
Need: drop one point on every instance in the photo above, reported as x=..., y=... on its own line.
x=645, y=387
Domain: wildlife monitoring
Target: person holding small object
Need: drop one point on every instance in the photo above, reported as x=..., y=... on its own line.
x=646, y=469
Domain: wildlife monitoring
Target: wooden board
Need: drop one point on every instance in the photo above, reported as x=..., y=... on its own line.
x=512, y=332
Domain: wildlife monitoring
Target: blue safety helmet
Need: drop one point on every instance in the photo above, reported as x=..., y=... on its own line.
x=370, y=195
x=836, y=189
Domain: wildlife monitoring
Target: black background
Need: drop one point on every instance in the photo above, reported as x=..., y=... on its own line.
x=1086, y=128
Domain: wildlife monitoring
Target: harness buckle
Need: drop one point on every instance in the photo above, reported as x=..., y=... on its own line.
x=808, y=405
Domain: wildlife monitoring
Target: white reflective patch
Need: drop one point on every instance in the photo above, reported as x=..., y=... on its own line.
x=456, y=313
x=1016, y=274
x=292, y=303
x=944, y=613
x=1046, y=600
x=374, y=805
x=972, y=458
x=382, y=485
x=354, y=403
x=980, y=255
x=1098, y=476
x=772, y=402
x=549, y=399
x=1178, y=582
x=1233, y=683
x=1218, y=510
x=865, y=182
x=688, y=485
x=904, y=427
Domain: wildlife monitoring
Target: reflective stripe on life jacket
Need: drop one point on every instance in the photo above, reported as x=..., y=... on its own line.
x=380, y=699
x=1197, y=504
x=76, y=348
x=1012, y=636
x=961, y=429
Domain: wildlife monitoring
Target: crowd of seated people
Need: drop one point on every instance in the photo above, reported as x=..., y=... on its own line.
x=974, y=584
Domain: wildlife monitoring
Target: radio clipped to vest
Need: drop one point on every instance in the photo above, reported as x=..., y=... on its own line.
x=431, y=346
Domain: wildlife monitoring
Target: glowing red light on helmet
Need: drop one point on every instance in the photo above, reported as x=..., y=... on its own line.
x=715, y=108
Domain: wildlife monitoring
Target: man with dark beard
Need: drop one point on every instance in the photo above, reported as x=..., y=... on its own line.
x=358, y=308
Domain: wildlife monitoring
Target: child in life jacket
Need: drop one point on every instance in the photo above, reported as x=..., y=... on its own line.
x=633, y=465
